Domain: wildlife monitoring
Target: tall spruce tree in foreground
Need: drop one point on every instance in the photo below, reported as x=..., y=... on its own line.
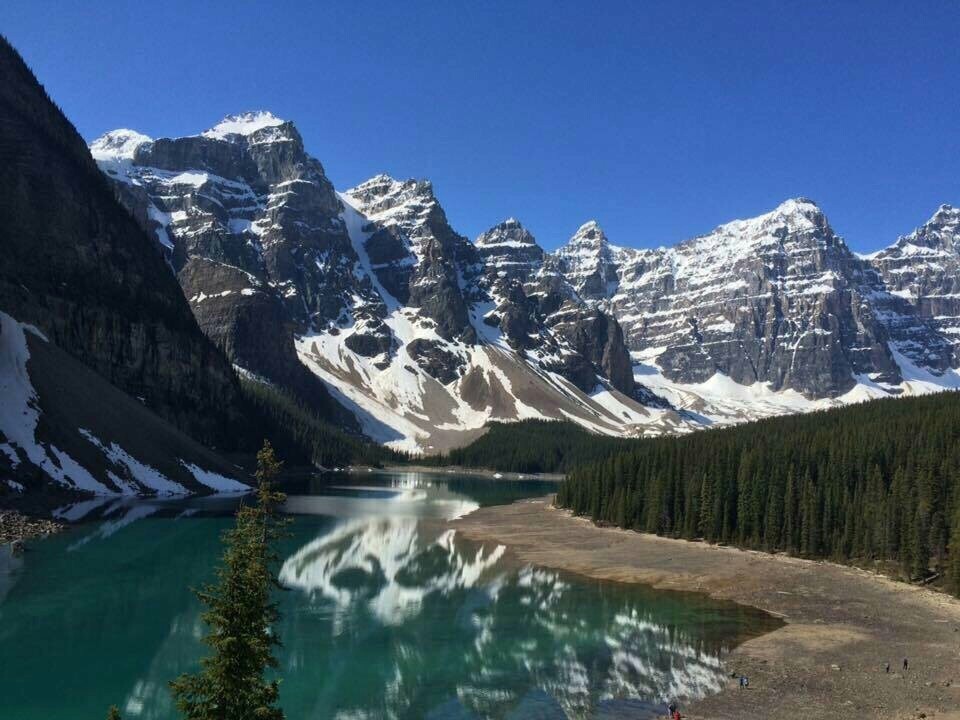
x=231, y=683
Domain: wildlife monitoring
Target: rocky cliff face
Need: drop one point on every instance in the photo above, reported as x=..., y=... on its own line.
x=777, y=299
x=371, y=289
x=425, y=335
x=251, y=226
x=417, y=256
x=77, y=266
x=922, y=271
x=539, y=311
x=106, y=381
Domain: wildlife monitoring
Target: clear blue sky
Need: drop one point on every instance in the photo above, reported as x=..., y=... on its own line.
x=661, y=120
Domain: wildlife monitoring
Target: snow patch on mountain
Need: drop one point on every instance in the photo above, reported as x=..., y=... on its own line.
x=243, y=124
x=140, y=473
x=215, y=481
x=720, y=401
x=20, y=413
x=117, y=145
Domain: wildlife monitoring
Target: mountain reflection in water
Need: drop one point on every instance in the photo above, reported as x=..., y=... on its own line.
x=388, y=613
x=453, y=618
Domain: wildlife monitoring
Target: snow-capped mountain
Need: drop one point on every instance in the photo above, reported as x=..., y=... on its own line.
x=775, y=314
x=425, y=336
x=776, y=299
x=923, y=269
x=371, y=289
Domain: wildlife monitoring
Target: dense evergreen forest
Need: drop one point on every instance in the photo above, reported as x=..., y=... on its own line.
x=533, y=446
x=878, y=481
x=303, y=437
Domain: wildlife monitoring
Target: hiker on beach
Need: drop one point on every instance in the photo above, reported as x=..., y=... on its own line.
x=886, y=667
x=905, y=664
x=744, y=682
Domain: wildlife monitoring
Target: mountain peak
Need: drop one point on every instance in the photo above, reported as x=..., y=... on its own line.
x=244, y=124
x=379, y=179
x=590, y=227
x=510, y=232
x=945, y=215
x=118, y=144
x=796, y=214
x=383, y=186
x=799, y=206
x=588, y=237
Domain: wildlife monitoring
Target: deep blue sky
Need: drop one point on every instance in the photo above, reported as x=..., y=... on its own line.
x=661, y=120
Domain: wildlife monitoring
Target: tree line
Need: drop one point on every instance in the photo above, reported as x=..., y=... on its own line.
x=878, y=481
x=305, y=438
x=532, y=446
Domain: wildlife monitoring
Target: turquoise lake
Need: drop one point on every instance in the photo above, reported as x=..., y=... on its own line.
x=387, y=613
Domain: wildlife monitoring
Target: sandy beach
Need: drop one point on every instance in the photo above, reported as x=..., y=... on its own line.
x=842, y=624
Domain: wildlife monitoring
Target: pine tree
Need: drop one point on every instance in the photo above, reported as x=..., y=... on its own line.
x=920, y=545
x=953, y=559
x=706, y=522
x=772, y=522
x=231, y=683
x=791, y=521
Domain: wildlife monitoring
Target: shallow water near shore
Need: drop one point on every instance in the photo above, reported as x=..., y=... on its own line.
x=388, y=613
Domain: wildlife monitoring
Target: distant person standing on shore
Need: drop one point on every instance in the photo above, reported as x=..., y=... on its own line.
x=905, y=663
x=886, y=667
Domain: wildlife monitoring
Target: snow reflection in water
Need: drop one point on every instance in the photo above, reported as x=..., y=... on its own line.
x=389, y=614
x=523, y=636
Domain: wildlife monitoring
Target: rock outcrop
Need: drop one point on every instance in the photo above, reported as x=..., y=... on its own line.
x=538, y=310
x=252, y=227
x=777, y=299
x=922, y=271
x=425, y=336
x=277, y=265
x=77, y=266
x=107, y=384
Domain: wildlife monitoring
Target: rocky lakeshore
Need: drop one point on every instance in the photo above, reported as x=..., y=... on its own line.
x=16, y=527
x=842, y=624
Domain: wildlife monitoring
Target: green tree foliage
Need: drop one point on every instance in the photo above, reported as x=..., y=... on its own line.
x=299, y=433
x=877, y=481
x=532, y=446
x=113, y=713
x=240, y=615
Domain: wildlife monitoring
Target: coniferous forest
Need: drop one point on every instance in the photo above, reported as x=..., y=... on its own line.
x=532, y=446
x=873, y=482
x=302, y=436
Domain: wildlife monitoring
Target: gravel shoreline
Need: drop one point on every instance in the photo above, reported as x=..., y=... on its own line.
x=455, y=470
x=15, y=527
x=842, y=623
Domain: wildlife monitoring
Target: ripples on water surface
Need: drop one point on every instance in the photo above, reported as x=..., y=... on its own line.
x=388, y=614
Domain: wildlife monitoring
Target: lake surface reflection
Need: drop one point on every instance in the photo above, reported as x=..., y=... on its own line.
x=388, y=613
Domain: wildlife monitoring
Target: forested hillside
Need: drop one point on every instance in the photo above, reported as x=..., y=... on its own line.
x=877, y=481
x=301, y=436
x=533, y=446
